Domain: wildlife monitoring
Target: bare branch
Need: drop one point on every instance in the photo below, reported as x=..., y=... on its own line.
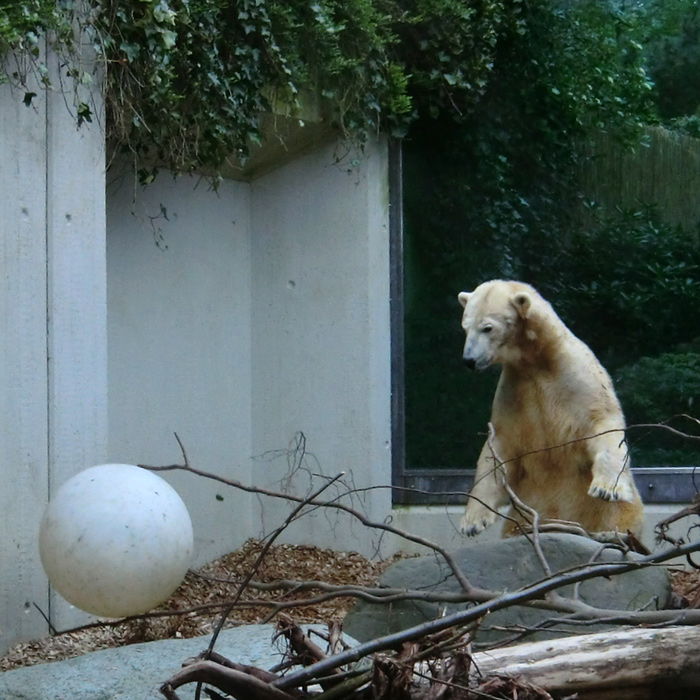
x=312, y=501
x=527, y=594
x=289, y=519
x=532, y=515
x=239, y=684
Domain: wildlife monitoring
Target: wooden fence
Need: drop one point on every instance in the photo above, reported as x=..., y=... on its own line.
x=664, y=172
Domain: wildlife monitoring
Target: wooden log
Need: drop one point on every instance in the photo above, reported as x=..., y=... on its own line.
x=631, y=661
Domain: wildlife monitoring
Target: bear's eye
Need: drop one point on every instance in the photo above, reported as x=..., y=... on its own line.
x=487, y=328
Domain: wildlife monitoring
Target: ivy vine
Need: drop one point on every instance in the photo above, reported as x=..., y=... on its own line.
x=186, y=81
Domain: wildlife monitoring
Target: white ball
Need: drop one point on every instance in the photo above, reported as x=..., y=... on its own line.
x=116, y=540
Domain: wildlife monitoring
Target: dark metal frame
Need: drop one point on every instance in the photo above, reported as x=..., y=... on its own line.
x=450, y=486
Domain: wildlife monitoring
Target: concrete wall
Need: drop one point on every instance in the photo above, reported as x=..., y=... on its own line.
x=238, y=319
x=53, y=362
x=321, y=344
x=242, y=318
x=179, y=283
x=23, y=367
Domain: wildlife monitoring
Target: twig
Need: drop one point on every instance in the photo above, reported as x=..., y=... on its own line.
x=306, y=652
x=623, y=431
x=404, y=534
x=663, y=525
x=263, y=553
x=256, y=566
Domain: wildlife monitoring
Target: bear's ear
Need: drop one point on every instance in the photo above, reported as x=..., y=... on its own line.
x=464, y=298
x=522, y=303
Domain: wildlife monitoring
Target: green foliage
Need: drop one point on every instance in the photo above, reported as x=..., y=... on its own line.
x=448, y=48
x=23, y=26
x=23, y=23
x=505, y=171
x=492, y=192
x=628, y=285
x=496, y=98
x=663, y=389
x=187, y=80
x=654, y=389
x=672, y=45
x=343, y=52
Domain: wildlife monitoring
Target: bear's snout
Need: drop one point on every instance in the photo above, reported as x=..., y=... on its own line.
x=469, y=362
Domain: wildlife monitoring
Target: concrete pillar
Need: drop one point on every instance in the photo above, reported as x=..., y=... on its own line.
x=76, y=299
x=53, y=354
x=23, y=371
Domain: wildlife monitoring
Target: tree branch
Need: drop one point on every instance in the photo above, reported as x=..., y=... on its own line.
x=313, y=501
x=526, y=594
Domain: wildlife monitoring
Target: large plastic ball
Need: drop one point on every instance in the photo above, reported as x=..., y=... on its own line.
x=116, y=540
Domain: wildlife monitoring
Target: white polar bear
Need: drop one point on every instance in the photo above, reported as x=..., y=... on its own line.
x=558, y=429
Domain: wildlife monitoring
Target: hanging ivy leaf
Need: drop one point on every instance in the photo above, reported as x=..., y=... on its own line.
x=186, y=81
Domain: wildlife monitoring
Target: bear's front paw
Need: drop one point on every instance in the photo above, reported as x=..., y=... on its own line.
x=473, y=524
x=615, y=491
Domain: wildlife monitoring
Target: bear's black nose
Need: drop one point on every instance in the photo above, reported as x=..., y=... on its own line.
x=469, y=362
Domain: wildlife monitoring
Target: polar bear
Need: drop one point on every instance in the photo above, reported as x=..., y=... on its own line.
x=557, y=429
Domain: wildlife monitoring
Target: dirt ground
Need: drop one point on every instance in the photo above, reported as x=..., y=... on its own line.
x=215, y=582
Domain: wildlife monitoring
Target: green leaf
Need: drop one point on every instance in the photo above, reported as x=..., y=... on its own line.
x=84, y=113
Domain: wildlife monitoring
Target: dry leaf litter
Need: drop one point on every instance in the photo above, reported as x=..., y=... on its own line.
x=210, y=586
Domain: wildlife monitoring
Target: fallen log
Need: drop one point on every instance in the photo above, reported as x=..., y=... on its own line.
x=593, y=665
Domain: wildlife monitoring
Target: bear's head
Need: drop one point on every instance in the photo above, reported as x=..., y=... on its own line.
x=494, y=319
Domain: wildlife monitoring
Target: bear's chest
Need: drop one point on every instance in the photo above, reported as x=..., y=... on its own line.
x=534, y=415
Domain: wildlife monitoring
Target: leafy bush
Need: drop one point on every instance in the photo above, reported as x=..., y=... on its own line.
x=661, y=389
x=672, y=47
x=187, y=80
x=628, y=285
x=491, y=193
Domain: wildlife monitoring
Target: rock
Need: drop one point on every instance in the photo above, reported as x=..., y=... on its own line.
x=508, y=565
x=136, y=672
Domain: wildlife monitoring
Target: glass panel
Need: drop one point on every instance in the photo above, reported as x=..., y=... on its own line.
x=627, y=284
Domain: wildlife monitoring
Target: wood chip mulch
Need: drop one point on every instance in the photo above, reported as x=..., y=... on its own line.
x=686, y=585
x=213, y=584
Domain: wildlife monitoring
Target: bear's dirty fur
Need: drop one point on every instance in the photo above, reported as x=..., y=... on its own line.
x=557, y=426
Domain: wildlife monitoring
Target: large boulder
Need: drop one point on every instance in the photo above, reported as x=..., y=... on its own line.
x=507, y=565
x=136, y=672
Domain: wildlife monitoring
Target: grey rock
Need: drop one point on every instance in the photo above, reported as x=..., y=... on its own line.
x=135, y=672
x=507, y=565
